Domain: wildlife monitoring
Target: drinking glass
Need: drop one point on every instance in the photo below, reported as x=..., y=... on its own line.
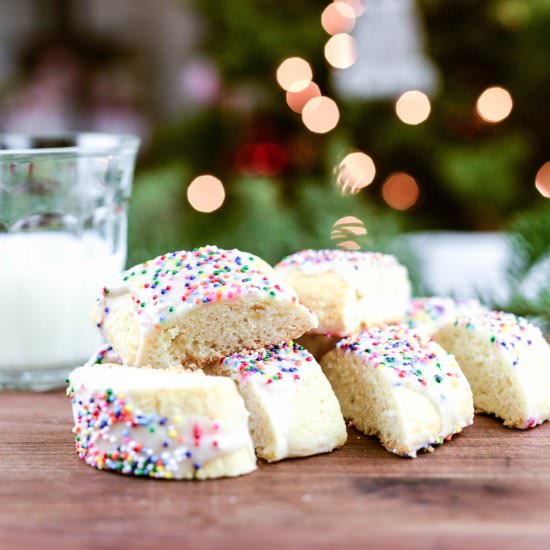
x=63, y=233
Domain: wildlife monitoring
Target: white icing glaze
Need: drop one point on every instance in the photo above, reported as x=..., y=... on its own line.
x=168, y=287
x=348, y=264
x=273, y=375
x=408, y=359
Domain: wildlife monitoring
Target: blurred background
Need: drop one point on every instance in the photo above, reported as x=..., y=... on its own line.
x=417, y=127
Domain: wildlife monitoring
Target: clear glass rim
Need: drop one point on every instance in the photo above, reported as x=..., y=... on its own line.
x=87, y=144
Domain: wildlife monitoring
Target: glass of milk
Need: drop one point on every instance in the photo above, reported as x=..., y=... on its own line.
x=63, y=224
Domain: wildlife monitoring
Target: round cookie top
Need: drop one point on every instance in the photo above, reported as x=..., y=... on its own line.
x=405, y=356
x=508, y=332
x=270, y=365
x=317, y=261
x=171, y=284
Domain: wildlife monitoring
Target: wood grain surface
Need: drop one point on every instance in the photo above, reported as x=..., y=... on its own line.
x=488, y=488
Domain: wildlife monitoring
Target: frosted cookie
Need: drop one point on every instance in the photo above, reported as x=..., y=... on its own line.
x=187, y=308
x=429, y=315
x=400, y=386
x=348, y=290
x=507, y=362
x=160, y=424
x=293, y=410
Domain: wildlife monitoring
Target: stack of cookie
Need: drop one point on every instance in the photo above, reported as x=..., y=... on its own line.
x=206, y=366
x=207, y=371
x=391, y=361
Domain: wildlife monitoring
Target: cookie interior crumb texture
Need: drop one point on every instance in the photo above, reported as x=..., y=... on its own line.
x=192, y=308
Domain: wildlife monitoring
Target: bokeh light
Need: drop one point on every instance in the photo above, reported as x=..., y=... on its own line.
x=305, y=91
x=350, y=224
x=542, y=180
x=206, y=193
x=346, y=231
x=338, y=17
x=320, y=115
x=494, y=104
x=355, y=171
x=513, y=14
x=413, y=107
x=400, y=191
x=341, y=51
x=293, y=70
x=349, y=245
x=358, y=6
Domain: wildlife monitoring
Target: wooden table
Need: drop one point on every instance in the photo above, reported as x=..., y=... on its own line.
x=489, y=487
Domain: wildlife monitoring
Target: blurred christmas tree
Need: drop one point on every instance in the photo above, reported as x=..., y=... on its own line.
x=278, y=177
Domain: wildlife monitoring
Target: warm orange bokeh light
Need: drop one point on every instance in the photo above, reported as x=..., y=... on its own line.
x=350, y=223
x=293, y=70
x=542, y=180
x=494, y=104
x=355, y=171
x=357, y=6
x=341, y=51
x=296, y=100
x=206, y=193
x=320, y=115
x=413, y=107
x=345, y=230
x=338, y=17
x=400, y=191
x=349, y=245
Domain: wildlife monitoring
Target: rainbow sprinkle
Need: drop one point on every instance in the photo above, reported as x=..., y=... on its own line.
x=112, y=434
x=276, y=363
x=106, y=355
x=432, y=313
x=407, y=358
x=404, y=355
